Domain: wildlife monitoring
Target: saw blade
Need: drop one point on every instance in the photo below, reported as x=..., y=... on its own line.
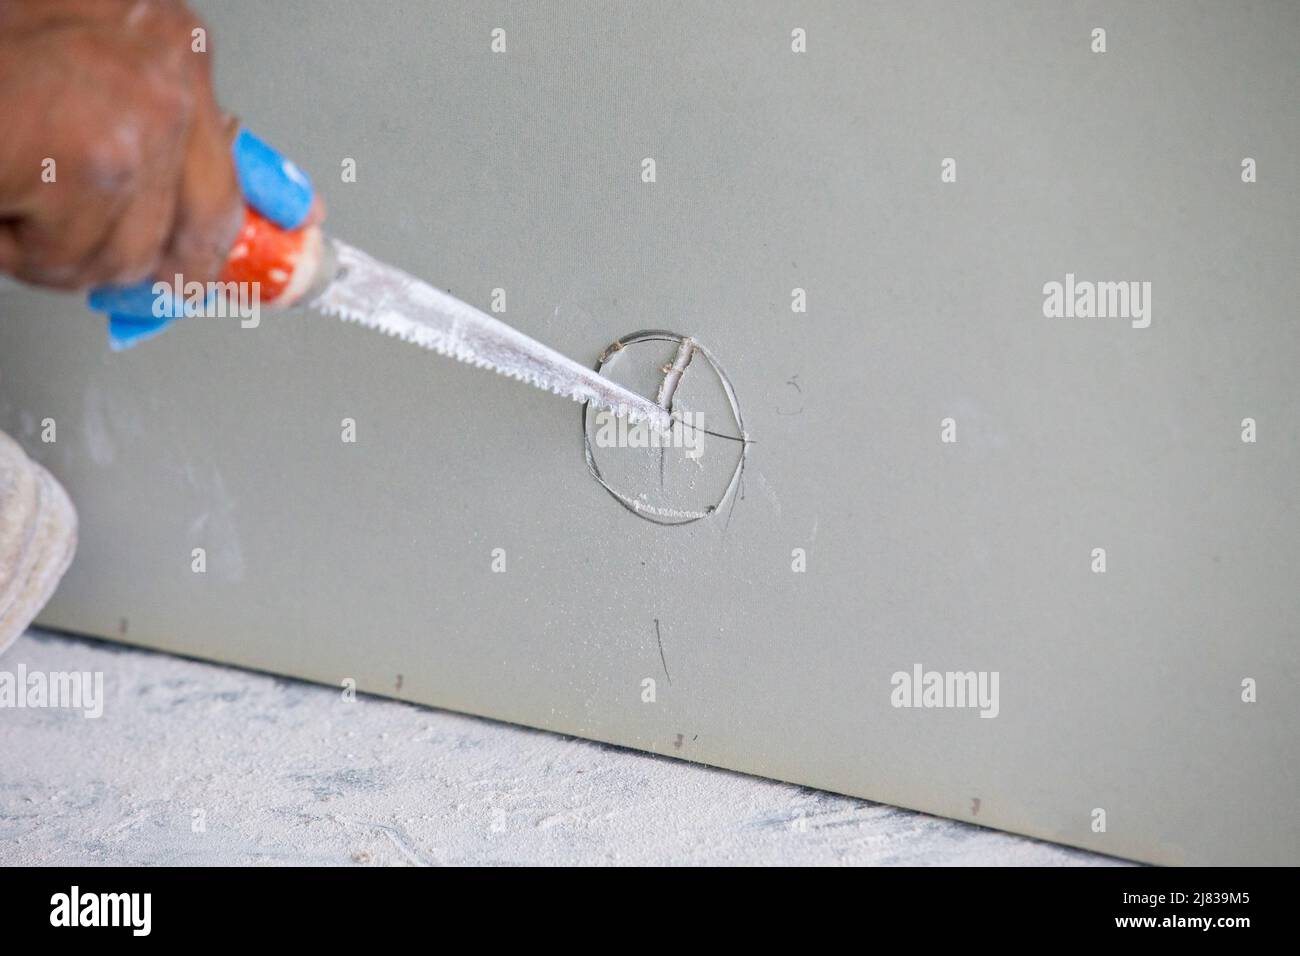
x=382, y=297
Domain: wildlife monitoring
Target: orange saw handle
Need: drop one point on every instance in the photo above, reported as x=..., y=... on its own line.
x=288, y=265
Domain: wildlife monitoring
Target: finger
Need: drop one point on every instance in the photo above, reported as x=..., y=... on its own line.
x=317, y=214
x=55, y=249
x=208, y=211
x=135, y=246
x=8, y=247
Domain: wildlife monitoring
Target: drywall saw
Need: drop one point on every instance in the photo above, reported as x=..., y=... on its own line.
x=306, y=267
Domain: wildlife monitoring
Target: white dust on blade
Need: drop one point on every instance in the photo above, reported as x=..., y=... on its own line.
x=384, y=298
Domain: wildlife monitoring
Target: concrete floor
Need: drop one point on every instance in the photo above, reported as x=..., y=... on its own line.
x=195, y=764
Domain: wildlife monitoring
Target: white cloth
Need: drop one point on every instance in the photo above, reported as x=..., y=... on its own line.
x=38, y=537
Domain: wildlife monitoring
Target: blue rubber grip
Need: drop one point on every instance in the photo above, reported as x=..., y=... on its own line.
x=130, y=309
x=125, y=331
x=274, y=186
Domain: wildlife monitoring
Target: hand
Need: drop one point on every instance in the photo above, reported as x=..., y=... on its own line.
x=115, y=164
x=270, y=184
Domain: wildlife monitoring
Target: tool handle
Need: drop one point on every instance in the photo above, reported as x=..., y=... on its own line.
x=280, y=247
x=288, y=265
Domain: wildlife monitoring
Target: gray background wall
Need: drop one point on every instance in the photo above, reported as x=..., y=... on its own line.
x=775, y=170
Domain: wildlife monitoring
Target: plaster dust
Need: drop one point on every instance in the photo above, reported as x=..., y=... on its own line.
x=284, y=772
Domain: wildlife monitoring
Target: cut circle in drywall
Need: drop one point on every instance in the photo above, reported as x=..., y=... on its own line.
x=676, y=478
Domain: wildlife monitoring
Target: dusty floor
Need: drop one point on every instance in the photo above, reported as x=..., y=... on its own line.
x=192, y=763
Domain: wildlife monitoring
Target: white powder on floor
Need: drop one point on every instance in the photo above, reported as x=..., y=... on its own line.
x=196, y=764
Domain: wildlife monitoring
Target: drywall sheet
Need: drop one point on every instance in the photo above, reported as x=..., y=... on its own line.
x=901, y=230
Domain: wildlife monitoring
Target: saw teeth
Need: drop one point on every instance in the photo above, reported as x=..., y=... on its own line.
x=390, y=289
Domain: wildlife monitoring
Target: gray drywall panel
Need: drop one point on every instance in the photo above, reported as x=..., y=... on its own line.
x=775, y=170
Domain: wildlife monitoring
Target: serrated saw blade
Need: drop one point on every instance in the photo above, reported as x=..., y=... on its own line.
x=384, y=298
